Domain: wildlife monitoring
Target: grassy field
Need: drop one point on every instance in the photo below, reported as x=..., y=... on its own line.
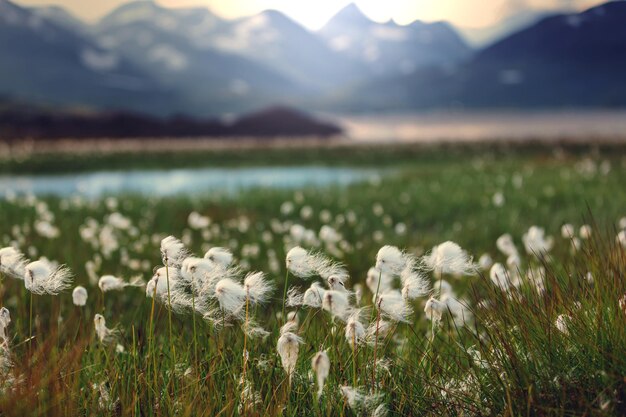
x=550, y=339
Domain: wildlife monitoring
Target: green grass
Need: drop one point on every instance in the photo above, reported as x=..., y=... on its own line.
x=528, y=367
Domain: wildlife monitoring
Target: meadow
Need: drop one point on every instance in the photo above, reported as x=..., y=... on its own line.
x=524, y=314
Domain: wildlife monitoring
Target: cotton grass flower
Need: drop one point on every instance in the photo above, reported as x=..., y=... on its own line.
x=288, y=347
x=535, y=241
x=104, y=334
x=373, y=275
x=79, y=296
x=505, y=245
x=173, y=251
x=321, y=366
x=231, y=296
x=485, y=262
x=499, y=276
x=562, y=323
x=357, y=400
x=393, y=306
x=449, y=258
x=585, y=231
x=5, y=319
x=12, y=262
x=391, y=260
x=257, y=287
x=221, y=257
x=355, y=331
x=110, y=283
x=567, y=231
x=434, y=309
x=40, y=277
x=414, y=284
x=337, y=304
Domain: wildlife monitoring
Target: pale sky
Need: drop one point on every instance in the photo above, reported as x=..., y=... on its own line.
x=314, y=13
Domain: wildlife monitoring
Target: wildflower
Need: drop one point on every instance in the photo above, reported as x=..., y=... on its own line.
x=414, y=284
x=386, y=280
x=257, y=288
x=5, y=319
x=390, y=259
x=173, y=251
x=288, y=346
x=79, y=296
x=159, y=281
x=485, y=262
x=337, y=304
x=621, y=238
x=562, y=322
x=394, y=306
x=231, y=296
x=196, y=270
x=567, y=231
x=585, y=231
x=314, y=296
x=505, y=245
x=357, y=400
x=111, y=283
x=449, y=258
x=321, y=366
x=298, y=262
x=40, y=277
x=336, y=284
x=434, y=309
x=105, y=335
x=535, y=241
x=355, y=331
x=12, y=262
x=221, y=257
x=499, y=276
x=196, y=221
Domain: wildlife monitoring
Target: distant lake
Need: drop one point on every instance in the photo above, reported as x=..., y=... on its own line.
x=183, y=181
x=438, y=126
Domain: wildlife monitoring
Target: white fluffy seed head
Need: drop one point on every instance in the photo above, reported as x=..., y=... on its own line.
x=393, y=306
x=390, y=259
x=562, y=322
x=104, y=334
x=373, y=275
x=299, y=262
x=110, y=283
x=195, y=269
x=288, y=347
x=414, y=284
x=41, y=277
x=505, y=245
x=79, y=296
x=355, y=331
x=314, y=296
x=12, y=262
x=449, y=258
x=434, y=309
x=257, y=287
x=172, y=251
x=337, y=304
x=221, y=257
x=536, y=243
x=336, y=284
x=499, y=276
x=568, y=231
x=231, y=296
x=485, y=262
x=321, y=366
x=5, y=319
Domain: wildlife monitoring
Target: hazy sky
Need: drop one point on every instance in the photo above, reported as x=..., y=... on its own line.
x=314, y=13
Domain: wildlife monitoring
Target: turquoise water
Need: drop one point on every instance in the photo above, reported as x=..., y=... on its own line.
x=183, y=181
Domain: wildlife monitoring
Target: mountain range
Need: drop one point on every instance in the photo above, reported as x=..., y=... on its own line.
x=147, y=58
